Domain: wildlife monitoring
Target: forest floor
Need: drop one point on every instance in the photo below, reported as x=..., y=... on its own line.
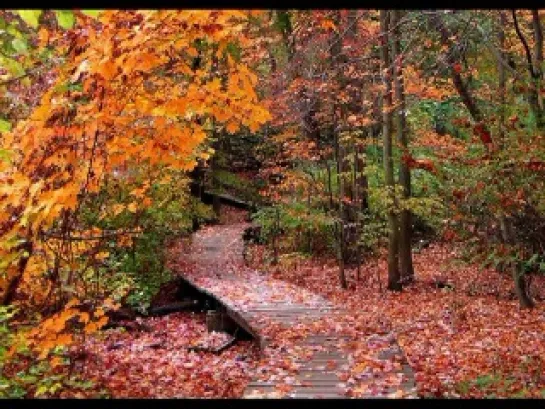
x=471, y=340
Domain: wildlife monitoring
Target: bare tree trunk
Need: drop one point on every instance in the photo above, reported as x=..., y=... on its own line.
x=394, y=279
x=361, y=179
x=519, y=276
x=275, y=237
x=534, y=66
x=521, y=286
x=329, y=185
x=340, y=214
x=405, y=217
x=286, y=29
x=538, y=73
x=216, y=203
x=501, y=80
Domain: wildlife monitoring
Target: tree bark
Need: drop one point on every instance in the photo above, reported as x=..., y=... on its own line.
x=394, y=279
x=521, y=287
x=405, y=217
x=534, y=66
x=538, y=73
x=519, y=277
x=501, y=80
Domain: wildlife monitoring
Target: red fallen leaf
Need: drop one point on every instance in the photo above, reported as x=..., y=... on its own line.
x=331, y=364
x=282, y=387
x=481, y=131
x=457, y=67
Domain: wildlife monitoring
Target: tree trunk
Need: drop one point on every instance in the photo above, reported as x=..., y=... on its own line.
x=521, y=286
x=534, y=66
x=394, y=279
x=519, y=277
x=538, y=73
x=340, y=215
x=405, y=217
x=216, y=202
x=361, y=179
x=501, y=80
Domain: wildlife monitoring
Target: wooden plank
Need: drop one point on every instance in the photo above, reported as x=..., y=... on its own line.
x=303, y=383
x=290, y=309
x=297, y=395
x=315, y=390
x=233, y=314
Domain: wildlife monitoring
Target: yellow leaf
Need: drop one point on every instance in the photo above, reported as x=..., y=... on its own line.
x=99, y=312
x=132, y=207
x=41, y=390
x=118, y=208
x=102, y=255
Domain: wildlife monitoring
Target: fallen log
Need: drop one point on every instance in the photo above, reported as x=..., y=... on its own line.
x=128, y=325
x=174, y=307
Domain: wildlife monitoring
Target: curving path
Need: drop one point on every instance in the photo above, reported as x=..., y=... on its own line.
x=304, y=356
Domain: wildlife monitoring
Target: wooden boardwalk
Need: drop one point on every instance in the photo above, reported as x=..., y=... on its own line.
x=256, y=302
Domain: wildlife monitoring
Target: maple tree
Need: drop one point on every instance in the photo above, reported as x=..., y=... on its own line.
x=128, y=96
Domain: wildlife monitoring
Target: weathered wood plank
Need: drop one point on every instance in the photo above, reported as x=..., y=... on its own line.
x=325, y=354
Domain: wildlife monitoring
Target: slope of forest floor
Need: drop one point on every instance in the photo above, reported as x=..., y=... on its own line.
x=157, y=363
x=468, y=339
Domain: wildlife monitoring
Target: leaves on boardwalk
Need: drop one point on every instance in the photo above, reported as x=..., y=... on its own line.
x=471, y=340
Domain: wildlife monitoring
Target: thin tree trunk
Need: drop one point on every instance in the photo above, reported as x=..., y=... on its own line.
x=216, y=203
x=501, y=80
x=340, y=214
x=538, y=64
x=336, y=49
x=405, y=217
x=534, y=66
x=275, y=237
x=519, y=277
x=329, y=185
x=521, y=286
x=394, y=279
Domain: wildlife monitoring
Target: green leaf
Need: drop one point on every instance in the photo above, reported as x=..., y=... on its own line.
x=91, y=13
x=65, y=18
x=15, y=68
x=30, y=16
x=5, y=126
x=19, y=45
